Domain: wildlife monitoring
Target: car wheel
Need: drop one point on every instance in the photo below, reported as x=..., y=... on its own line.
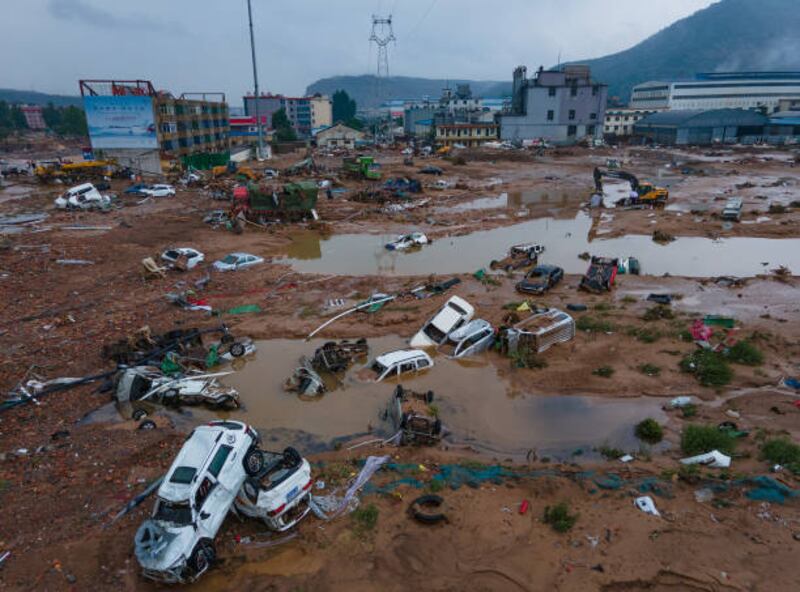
x=237, y=350
x=253, y=462
x=139, y=414
x=147, y=424
x=226, y=339
x=203, y=557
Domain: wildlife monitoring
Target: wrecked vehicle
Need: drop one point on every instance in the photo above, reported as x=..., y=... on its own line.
x=540, y=279
x=183, y=257
x=336, y=357
x=236, y=261
x=82, y=197
x=402, y=185
x=473, y=338
x=400, y=362
x=523, y=255
x=305, y=380
x=262, y=203
x=157, y=191
x=733, y=210
x=407, y=241
x=629, y=265
x=411, y=414
x=279, y=493
x=538, y=332
x=600, y=275
x=431, y=170
x=455, y=313
x=176, y=545
x=141, y=383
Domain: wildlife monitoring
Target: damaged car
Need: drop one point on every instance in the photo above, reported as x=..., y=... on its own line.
x=305, y=380
x=149, y=383
x=82, y=197
x=338, y=356
x=185, y=257
x=455, y=313
x=518, y=256
x=473, y=338
x=600, y=276
x=176, y=545
x=400, y=362
x=540, y=279
x=412, y=414
x=407, y=241
x=543, y=329
x=280, y=492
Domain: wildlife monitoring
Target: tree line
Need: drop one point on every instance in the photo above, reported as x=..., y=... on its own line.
x=65, y=121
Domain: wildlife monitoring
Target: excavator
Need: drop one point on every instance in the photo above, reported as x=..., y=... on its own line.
x=646, y=193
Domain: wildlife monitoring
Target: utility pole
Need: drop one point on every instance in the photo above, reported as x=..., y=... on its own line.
x=382, y=35
x=255, y=82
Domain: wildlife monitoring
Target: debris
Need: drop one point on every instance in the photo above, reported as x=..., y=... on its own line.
x=659, y=236
x=576, y=307
x=660, y=298
x=330, y=506
x=714, y=459
x=414, y=416
x=243, y=309
x=626, y=458
x=538, y=332
x=646, y=505
x=74, y=262
x=600, y=275
x=420, y=509
x=523, y=506
x=304, y=380
x=703, y=495
x=358, y=307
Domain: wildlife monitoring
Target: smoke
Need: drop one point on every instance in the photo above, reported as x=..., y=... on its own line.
x=779, y=54
x=82, y=11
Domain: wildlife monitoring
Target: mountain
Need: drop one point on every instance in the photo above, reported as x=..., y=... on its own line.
x=363, y=88
x=36, y=98
x=727, y=36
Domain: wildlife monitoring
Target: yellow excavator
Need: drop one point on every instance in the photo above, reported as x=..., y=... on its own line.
x=647, y=193
x=233, y=169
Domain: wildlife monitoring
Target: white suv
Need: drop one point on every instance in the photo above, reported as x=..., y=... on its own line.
x=176, y=545
x=400, y=362
x=455, y=313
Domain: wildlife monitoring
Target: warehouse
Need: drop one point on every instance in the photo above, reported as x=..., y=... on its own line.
x=701, y=127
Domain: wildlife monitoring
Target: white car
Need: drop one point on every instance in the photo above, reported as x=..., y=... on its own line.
x=407, y=241
x=470, y=339
x=158, y=191
x=270, y=174
x=176, y=544
x=237, y=261
x=455, y=313
x=82, y=197
x=193, y=256
x=279, y=494
x=142, y=383
x=400, y=362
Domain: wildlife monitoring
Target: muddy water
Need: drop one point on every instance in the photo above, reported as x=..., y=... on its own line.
x=475, y=403
x=515, y=200
x=364, y=254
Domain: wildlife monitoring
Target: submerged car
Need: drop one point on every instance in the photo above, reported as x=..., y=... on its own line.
x=540, y=331
x=305, y=380
x=540, y=279
x=455, y=313
x=236, y=261
x=473, y=338
x=400, y=362
x=176, y=545
x=407, y=241
x=411, y=414
x=82, y=197
x=192, y=256
x=337, y=356
x=523, y=255
x=278, y=494
x=142, y=383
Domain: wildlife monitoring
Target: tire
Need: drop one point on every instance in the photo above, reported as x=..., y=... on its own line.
x=237, y=350
x=147, y=424
x=203, y=557
x=427, y=501
x=253, y=462
x=292, y=456
x=437, y=427
x=138, y=414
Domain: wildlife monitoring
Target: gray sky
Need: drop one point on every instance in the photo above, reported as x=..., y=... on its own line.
x=196, y=45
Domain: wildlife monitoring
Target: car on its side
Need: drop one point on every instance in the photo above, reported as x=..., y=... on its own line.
x=733, y=209
x=82, y=197
x=141, y=383
x=176, y=545
x=400, y=362
x=540, y=279
x=193, y=256
x=407, y=241
x=157, y=191
x=236, y=261
x=455, y=313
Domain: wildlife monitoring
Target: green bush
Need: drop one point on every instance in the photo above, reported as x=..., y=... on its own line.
x=658, y=312
x=709, y=368
x=699, y=439
x=689, y=410
x=589, y=323
x=650, y=431
x=559, y=518
x=782, y=451
x=650, y=369
x=610, y=452
x=744, y=352
x=604, y=371
x=365, y=518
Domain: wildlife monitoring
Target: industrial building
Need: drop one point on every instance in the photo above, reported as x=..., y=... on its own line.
x=466, y=134
x=304, y=113
x=147, y=130
x=561, y=106
x=723, y=90
x=696, y=127
x=619, y=122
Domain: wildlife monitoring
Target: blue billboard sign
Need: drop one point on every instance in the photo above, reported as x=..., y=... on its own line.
x=121, y=122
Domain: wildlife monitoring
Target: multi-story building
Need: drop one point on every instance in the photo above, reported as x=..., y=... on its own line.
x=720, y=90
x=145, y=130
x=466, y=134
x=34, y=117
x=420, y=118
x=619, y=122
x=321, y=111
x=304, y=113
x=561, y=106
x=245, y=131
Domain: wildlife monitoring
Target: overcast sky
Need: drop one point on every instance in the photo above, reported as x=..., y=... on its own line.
x=196, y=45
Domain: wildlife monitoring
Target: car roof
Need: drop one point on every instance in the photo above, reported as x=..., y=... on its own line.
x=400, y=355
x=240, y=254
x=81, y=186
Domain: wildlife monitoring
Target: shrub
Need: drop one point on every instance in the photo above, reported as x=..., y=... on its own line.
x=650, y=369
x=658, y=312
x=365, y=518
x=782, y=451
x=610, y=452
x=709, y=368
x=744, y=352
x=645, y=335
x=604, y=371
x=589, y=323
x=689, y=410
x=650, y=431
x=559, y=518
x=699, y=439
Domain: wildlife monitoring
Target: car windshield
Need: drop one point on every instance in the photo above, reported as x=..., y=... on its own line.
x=183, y=475
x=174, y=512
x=434, y=333
x=230, y=259
x=378, y=368
x=538, y=273
x=457, y=308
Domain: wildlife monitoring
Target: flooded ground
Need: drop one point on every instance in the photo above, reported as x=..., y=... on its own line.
x=365, y=254
x=516, y=200
x=475, y=403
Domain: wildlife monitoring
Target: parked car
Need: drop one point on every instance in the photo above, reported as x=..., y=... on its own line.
x=141, y=383
x=158, y=191
x=540, y=279
x=733, y=209
x=473, y=338
x=176, y=545
x=431, y=170
x=279, y=494
x=193, y=256
x=82, y=197
x=451, y=316
x=136, y=189
x=400, y=362
x=410, y=413
x=237, y=261
x=518, y=256
x=407, y=241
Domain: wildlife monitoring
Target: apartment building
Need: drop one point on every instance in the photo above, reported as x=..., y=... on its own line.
x=466, y=134
x=304, y=113
x=619, y=122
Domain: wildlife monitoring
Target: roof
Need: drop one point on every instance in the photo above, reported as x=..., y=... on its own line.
x=338, y=127
x=390, y=358
x=702, y=118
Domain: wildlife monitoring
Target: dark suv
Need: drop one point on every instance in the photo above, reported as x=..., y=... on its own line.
x=540, y=279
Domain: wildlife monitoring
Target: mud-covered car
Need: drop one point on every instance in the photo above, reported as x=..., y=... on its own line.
x=279, y=494
x=540, y=279
x=518, y=256
x=455, y=313
x=305, y=380
x=149, y=383
x=338, y=356
x=412, y=414
x=176, y=545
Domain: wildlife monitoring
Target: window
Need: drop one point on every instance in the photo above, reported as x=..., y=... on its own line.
x=550, y=115
x=551, y=92
x=589, y=130
x=592, y=116
x=571, y=114
x=183, y=475
x=595, y=89
x=573, y=92
x=206, y=487
x=219, y=460
x=572, y=130
x=422, y=363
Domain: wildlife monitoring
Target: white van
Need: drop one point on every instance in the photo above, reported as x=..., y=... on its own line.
x=733, y=209
x=82, y=197
x=400, y=362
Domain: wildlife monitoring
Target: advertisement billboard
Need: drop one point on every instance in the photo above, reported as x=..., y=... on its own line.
x=121, y=122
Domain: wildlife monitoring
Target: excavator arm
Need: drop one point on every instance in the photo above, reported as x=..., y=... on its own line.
x=600, y=173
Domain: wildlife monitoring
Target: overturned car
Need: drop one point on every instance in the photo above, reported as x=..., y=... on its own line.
x=412, y=414
x=143, y=383
x=538, y=332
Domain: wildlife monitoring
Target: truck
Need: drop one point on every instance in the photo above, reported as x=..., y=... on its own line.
x=78, y=171
x=361, y=167
x=259, y=203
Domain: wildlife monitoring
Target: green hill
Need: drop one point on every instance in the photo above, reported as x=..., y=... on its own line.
x=36, y=98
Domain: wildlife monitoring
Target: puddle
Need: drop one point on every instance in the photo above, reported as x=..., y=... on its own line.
x=476, y=404
x=364, y=254
x=515, y=200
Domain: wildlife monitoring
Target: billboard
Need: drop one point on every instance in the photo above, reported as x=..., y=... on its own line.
x=121, y=122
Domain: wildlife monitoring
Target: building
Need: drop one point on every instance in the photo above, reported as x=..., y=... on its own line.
x=321, y=111
x=244, y=130
x=420, y=118
x=338, y=136
x=702, y=127
x=725, y=90
x=145, y=130
x=561, y=106
x=620, y=122
x=466, y=134
x=304, y=113
x=34, y=117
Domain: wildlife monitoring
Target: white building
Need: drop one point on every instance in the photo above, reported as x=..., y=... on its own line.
x=729, y=90
x=620, y=121
x=338, y=136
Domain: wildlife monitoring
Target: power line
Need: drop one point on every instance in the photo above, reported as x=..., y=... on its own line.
x=424, y=16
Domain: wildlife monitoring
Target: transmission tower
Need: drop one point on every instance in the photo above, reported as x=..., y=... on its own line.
x=382, y=35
